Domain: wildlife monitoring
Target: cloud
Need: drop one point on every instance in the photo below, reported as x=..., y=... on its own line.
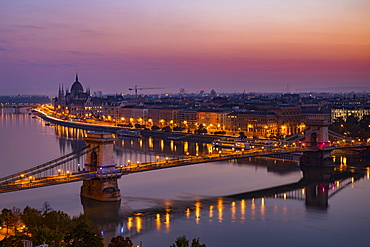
x=90, y=32
x=32, y=27
x=60, y=25
x=5, y=41
x=36, y=64
x=84, y=54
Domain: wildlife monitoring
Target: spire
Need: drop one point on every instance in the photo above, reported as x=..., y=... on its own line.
x=59, y=92
x=76, y=76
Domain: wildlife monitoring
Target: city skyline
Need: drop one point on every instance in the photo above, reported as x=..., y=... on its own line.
x=233, y=46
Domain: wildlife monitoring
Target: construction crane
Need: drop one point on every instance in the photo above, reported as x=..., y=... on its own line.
x=143, y=88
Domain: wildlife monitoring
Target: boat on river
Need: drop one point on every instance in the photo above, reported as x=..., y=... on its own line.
x=128, y=133
x=231, y=144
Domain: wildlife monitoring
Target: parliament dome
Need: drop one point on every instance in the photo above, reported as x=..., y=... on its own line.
x=77, y=86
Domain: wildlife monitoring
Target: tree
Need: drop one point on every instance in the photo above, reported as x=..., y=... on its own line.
x=338, y=126
x=83, y=235
x=43, y=234
x=140, y=126
x=46, y=208
x=16, y=218
x=184, y=242
x=178, y=128
x=181, y=242
x=49, y=226
x=201, y=130
x=1, y=220
x=196, y=243
x=120, y=241
x=57, y=220
x=166, y=129
x=7, y=216
x=13, y=241
x=365, y=126
x=31, y=217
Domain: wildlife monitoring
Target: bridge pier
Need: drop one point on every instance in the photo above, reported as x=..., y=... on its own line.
x=317, y=192
x=101, y=161
x=317, y=158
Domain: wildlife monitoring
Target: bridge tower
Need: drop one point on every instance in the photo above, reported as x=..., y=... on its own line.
x=100, y=160
x=318, y=140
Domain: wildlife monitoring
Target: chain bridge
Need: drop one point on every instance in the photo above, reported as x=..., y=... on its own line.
x=94, y=164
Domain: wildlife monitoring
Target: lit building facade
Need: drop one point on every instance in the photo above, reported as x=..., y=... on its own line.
x=212, y=120
x=254, y=123
x=271, y=122
x=344, y=112
x=289, y=119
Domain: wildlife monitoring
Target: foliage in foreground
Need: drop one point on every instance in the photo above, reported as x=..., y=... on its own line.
x=120, y=241
x=55, y=228
x=184, y=242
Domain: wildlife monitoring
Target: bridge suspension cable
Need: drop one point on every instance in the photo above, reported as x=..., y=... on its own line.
x=295, y=135
x=47, y=166
x=339, y=136
x=296, y=139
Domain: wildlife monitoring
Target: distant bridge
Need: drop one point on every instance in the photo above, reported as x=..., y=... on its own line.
x=18, y=106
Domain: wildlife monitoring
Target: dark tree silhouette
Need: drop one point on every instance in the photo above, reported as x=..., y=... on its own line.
x=120, y=241
x=184, y=242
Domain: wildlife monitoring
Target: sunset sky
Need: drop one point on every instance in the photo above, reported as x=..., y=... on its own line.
x=225, y=45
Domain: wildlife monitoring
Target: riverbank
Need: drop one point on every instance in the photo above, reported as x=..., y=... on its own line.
x=176, y=136
x=75, y=124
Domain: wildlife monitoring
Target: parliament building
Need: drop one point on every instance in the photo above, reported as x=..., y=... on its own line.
x=77, y=103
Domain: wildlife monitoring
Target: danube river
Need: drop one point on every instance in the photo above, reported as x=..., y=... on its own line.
x=209, y=201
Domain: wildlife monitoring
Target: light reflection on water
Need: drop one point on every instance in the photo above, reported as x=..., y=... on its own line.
x=159, y=206
x=281, y=208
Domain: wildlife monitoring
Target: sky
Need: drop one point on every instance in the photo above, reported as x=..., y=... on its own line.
x=225, y=45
